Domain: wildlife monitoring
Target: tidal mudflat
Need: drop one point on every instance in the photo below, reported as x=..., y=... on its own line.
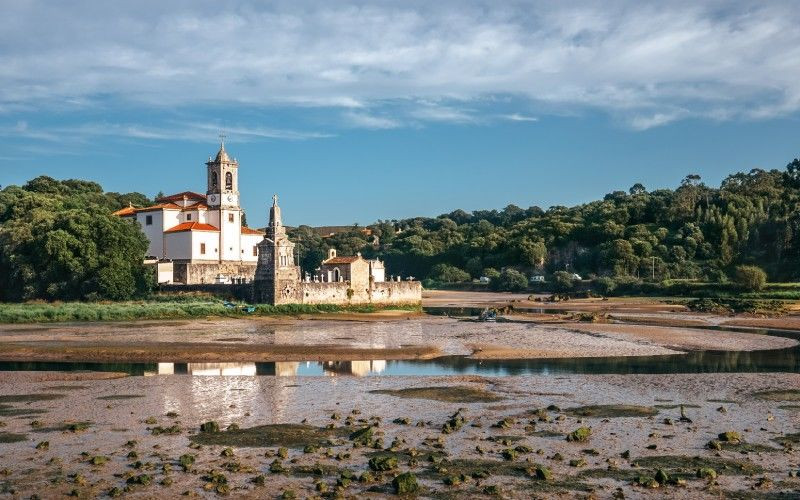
x=682, y=436
x=563, y=431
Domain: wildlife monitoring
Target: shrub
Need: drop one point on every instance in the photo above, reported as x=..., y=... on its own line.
x=604, y=285
x=491, y=273
x=509, y=281
x=563, y=281
x=445, y=273
x=750, y=277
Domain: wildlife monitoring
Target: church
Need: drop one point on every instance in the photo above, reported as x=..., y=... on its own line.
x=199, y=238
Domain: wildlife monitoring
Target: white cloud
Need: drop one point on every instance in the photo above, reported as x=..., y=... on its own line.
x=364, y=120
x=516, y=117
x=629, y=58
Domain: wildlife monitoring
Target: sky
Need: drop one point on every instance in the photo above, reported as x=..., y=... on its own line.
x=354, y=111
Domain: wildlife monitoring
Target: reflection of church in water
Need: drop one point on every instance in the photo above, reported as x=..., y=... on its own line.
x=276, y=368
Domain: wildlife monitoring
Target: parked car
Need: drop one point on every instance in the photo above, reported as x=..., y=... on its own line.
x=537, y=278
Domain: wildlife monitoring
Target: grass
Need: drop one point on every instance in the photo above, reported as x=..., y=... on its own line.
x=611, y=411
x=162, y=307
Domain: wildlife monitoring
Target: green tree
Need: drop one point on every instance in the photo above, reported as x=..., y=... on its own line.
x=563, y=281
x=751, y=278
x=58, y=240
x=446, y=273
x=509, y=280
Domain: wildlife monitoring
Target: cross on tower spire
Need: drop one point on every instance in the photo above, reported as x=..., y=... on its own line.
x=222, y=139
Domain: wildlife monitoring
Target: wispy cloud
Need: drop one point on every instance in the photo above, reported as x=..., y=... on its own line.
x=365, y=120
x=516, y=117
x=628, y=58
x=193, y=132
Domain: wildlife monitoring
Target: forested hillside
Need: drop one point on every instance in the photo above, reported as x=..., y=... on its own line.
x=694, y=231
x=58, y=240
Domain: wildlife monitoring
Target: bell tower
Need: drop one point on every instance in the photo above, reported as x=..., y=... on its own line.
x=277, y=277
x=223, y=179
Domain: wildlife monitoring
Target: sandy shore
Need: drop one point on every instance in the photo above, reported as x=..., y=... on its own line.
x=123, y=416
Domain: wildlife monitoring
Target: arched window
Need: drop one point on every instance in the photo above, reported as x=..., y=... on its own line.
x=214, y=179
x=336, y=275
x=228, y=180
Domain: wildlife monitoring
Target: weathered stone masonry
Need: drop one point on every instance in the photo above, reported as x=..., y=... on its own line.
x=277, y=279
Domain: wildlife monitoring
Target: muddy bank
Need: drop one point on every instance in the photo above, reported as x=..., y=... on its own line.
x=516, y=437
x=326, y=340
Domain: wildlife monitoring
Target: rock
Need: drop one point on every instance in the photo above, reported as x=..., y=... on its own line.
x=405, y=483
x=730, y=437
x=456, y=422
x=227, y=452
x=98, y=460
x=363, y=437
x=402, y=421
x=43, y=445
x=714, y=445
x=509, y=454
x=543, y=473
x=626, y=454
x=580, y=434
x=505, y=423
x=383, y=463
x=283, y=452
x=210, y=426
x=579, y=462
x=706, y=473
x=276, y=467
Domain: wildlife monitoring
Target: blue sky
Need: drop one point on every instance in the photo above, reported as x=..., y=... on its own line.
x=355, y=111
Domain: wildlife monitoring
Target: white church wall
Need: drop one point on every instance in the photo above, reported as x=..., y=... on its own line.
x=171, y=219
x=154, y=231
x=211, y=242
x=250, y=241
x=231, y=235
x=179, y=245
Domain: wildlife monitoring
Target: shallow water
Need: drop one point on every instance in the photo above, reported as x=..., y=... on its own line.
x=775, y=360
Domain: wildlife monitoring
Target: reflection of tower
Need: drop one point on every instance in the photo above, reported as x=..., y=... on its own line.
x=357, y=368
x=277, y=277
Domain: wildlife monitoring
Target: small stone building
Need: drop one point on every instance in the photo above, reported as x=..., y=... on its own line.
x=340, y=280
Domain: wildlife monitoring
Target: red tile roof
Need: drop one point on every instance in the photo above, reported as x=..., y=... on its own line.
x=196, y=206
x=247, y=230
x=125, y=212
x=189, y=195
x=341, y=260
x=160, y=206
x=191, y=226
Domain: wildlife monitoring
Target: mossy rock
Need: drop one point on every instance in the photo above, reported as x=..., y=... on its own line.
x=611, y=411
x=297, y=436
x=730, y=437
x=580, y=435
x=450, y=394
x=363, y=436
x=405, y=483
x=210, y=426
x=383, y=463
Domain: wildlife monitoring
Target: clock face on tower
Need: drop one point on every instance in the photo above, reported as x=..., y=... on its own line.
x=213, y=199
